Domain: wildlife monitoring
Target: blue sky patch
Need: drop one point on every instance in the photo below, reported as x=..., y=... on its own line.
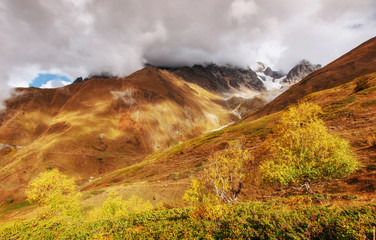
x=43, y=78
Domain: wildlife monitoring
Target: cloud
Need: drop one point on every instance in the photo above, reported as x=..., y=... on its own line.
x=79, y=37
x=241, y=10
x=55, y=84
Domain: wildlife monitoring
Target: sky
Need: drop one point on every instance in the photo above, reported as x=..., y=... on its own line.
x=49, y=80
x=51, y=43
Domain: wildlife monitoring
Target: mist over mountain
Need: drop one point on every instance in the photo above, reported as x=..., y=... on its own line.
x=78, y=38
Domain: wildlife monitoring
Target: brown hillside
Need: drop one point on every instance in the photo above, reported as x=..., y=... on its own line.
x=358, y=62
x=94, y=127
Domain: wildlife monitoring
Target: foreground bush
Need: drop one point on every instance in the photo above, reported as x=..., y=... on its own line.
x=55, y=194
x=241, y=221
x=301, y=149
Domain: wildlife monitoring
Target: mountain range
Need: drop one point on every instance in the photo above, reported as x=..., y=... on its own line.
x=150, y=131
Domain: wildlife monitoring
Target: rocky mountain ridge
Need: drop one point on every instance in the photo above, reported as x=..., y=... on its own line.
x=230, y=79
x=226, y=78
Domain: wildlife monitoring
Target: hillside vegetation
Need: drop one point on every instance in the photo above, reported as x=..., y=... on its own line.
x=290, y=218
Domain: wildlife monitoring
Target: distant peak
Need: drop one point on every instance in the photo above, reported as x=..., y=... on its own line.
x=300, y=71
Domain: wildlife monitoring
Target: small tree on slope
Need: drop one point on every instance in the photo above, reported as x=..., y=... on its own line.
x=302, y=150
x=224, y=175
x=227, y=171
x=55, y=194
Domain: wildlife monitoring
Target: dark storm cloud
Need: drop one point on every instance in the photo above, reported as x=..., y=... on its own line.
x=79, y=37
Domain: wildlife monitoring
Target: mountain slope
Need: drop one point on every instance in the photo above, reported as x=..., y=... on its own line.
x=93, y=127
x=358, y=62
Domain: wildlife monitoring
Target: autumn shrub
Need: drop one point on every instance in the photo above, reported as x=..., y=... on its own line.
x=302, y=150
x=55, y=194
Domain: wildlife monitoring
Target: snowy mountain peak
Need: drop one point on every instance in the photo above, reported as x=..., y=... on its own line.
x=274, y=80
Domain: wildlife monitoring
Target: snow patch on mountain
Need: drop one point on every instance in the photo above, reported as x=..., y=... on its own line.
x=269, y=82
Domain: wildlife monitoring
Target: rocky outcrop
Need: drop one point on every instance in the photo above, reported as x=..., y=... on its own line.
x=300, y=71
x=244, y=106
x=236, y=77
x=220, y=78
x=262, y=68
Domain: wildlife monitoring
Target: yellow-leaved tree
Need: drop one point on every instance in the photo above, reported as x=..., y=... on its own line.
x=227, y=171
x=224, y=175
x=301, y=149
x=55, y=194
